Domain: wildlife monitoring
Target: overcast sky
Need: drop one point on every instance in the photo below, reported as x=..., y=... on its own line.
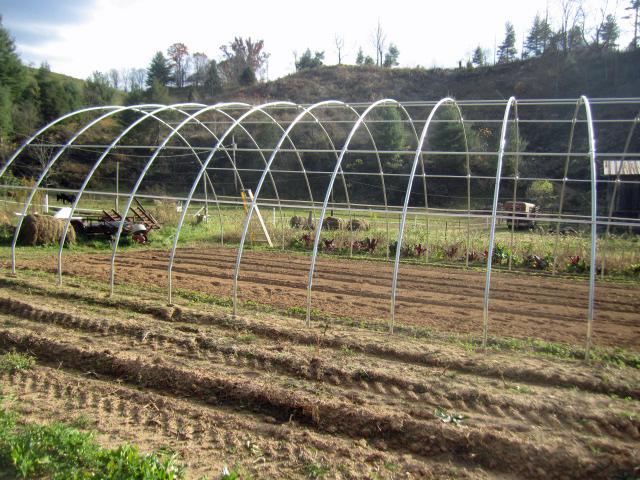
x=77, y=37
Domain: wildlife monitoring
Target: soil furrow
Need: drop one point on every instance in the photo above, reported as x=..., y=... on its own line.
x=396, y=430
x=287, y=400
x=315, y=369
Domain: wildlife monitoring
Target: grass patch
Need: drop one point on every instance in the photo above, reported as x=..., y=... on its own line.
x=60, y=452
x=13, y=361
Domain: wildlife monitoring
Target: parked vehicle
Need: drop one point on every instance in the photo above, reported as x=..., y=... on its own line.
x=523, y=214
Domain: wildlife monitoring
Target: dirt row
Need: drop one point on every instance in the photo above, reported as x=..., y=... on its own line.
x=521, y=306
x=264, y=395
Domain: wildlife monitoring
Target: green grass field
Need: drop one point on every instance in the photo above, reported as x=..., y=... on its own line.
x=442, y=239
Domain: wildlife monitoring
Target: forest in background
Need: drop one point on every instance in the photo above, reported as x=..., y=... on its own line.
x=560, y=64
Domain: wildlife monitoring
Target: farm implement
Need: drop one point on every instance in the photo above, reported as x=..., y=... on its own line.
x=108, y=222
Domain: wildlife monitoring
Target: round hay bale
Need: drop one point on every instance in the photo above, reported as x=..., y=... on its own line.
x=359, y=224
x=297, y=221
x=334, y=223
x=43, y=229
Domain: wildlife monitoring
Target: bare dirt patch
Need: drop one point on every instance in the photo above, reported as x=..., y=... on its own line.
x=267, y=396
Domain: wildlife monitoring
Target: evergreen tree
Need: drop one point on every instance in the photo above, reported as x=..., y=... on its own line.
x=6, y=124
x=634, y=16
x=575, y=39
x=360, y=57
x=507, y=51
x=309, y=61
x=213, y=82
x=609, y=33
x=56, y=97
x=159, y=69
x=247, y=77
x=391, y=57
x=539, y=37
x=479, y=58
x=12, y=72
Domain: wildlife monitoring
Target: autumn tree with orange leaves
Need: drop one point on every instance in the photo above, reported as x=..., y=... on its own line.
x=179, y=56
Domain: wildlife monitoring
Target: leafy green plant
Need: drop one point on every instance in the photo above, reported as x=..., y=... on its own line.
x=633, y=270
x=577, y=265
x=59, y=452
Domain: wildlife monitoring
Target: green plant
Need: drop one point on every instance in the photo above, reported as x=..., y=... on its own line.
x=314, y=470
x=627, y=415
x=347, y=351
x=577, y=265
x=59, y=452
x=247, y=337
x=13, y=361
x=520, y=389
x=234, y=475
x=82, y=421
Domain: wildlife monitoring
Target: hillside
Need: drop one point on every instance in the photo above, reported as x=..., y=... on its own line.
x=551, y=76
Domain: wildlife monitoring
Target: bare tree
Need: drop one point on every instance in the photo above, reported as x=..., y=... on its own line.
x=598, y=31
x=138, y=78
x=339, y=43
x=126, y=76
x=571, y=12
x=379, y=39
x=114, y=78
x=200, y=67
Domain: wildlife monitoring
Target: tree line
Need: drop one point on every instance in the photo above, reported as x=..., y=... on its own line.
x=31, y=97
x=572, y=34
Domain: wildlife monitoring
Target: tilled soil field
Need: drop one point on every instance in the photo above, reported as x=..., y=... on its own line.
x=263, y=395
x=446, y=299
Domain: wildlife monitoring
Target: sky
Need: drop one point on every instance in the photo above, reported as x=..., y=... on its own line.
x=78, y=37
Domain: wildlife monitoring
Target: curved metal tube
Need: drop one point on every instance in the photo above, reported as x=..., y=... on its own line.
x=45, y=128
x=328, y=195
x=594, y=211
x=503, y=135
x=259, y=188
x=44, y=173
x=381, y=172
x=614, y=194
x=146, y=169
x=515, y=184
x=237, y=122
x=407, y=196
x=562, y=190
x=151, y=114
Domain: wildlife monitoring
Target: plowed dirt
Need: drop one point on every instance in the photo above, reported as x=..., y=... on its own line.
x=267, y=396
x=445, y=299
